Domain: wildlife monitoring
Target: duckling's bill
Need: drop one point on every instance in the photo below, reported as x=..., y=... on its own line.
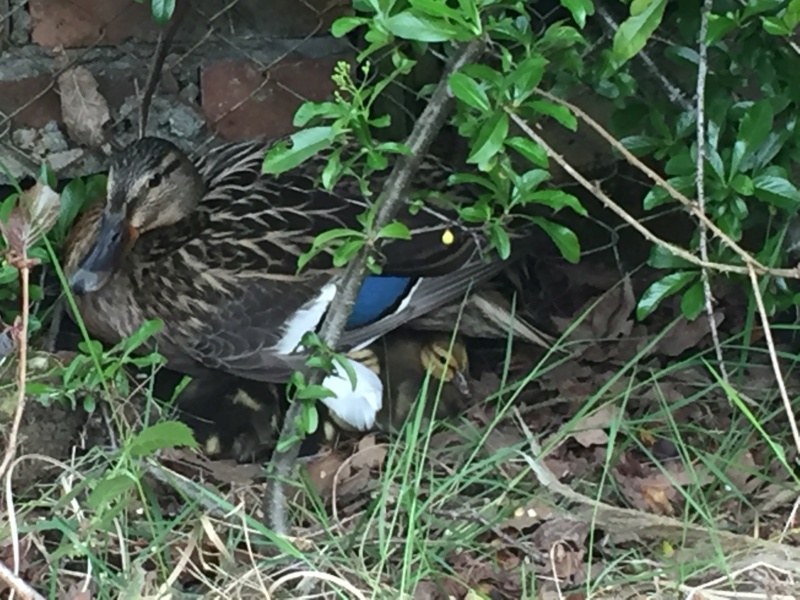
x=356, y=407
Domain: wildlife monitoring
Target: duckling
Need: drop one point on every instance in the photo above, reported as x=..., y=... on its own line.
x=235, y=419
x=211, y=246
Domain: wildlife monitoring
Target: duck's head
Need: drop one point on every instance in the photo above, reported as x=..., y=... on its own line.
x=151, y=184
x=446, y=363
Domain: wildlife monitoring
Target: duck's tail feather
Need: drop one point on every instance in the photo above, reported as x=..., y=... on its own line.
x=428, y=294
x=485, y=315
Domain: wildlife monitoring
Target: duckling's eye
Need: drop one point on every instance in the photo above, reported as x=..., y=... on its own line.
x=154, y=181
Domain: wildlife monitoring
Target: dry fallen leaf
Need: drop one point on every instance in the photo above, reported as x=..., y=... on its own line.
x=369, y=454
x=84, y=110
x=322, y=470
x=685, y=335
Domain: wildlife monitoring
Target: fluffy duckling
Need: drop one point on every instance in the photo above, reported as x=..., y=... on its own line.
x=229, y=419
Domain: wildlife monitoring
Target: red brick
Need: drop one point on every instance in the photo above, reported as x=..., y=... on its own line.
x=41, y=104
x=240, y=102
x=291, y=18
x=77, y=23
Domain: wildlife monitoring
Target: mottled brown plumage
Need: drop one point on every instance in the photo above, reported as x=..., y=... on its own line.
x=211, y=248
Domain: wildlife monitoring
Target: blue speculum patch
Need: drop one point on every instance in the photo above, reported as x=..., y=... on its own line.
x=378, y=294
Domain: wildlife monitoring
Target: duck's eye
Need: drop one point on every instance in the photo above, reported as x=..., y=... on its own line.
x=154, y=181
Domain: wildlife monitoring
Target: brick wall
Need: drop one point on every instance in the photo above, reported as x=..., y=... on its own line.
x=236, y=70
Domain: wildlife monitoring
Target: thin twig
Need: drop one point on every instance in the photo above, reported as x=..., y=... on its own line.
x=389, y=203
x=702, y=71
x=634, y=223
x=25, y=591
x=773, y=358
x=695, y=540
x=691, y=206
x=22, y=371
x=164, y=42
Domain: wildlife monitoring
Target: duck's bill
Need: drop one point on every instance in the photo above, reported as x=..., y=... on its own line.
x=113, y=237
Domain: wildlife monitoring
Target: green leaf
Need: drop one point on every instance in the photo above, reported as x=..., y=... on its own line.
x=662, y=258
x=563, y=237
x=718, y=27
x=754, y=129
x=344, y=253
x=558, y=199
x=344, y=25
x=500, y=240
x=579, y=9
x=141, y=335
x=490, y=139
x=661, y=289
x=73, y=199
x=778, y=191
x=305, y=144
x=469, y=91
x=693, y=300
x=395, y=230
x=8, y=274
x=108, y=490
x=560, y=113
x=309, y=110
x=167, y=434
x=530, y=150
x=526, y=76
x=742, y=184
x=634, y=31
x=7, y=206
x=775, y=26
x=162, y=10
x=408, y=26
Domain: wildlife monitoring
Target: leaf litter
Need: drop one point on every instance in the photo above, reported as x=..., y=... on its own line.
x=517, y=526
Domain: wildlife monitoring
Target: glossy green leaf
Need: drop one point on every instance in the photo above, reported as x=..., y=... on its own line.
x=558, y=199
x=309, y=110
x=500, y=240
x=754, y=129
x=563, y=237
x=661, y=289
x=162, y=10
x=560, y=113
x=662, y=258
x=395, y=230
x=693, y=300
x=743, y=184
x=530, y=150
x=580, y=9
x=718, y=27
x=490, y=139
x=409, y=26
x=634, y=31
x=344, y=25
x=167, y=434
x=778, y=191
x=305, y=144
x=469, y=91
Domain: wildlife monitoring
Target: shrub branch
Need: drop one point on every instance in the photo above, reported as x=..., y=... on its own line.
x=389, y=202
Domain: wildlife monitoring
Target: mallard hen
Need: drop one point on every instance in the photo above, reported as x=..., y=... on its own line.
x=210, y=247
x=236, y=418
